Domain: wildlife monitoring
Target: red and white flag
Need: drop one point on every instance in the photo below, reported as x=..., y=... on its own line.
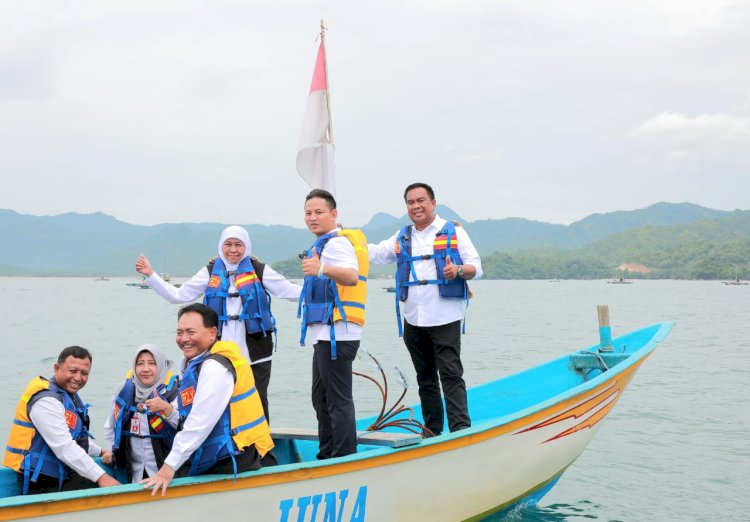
x=315, y=153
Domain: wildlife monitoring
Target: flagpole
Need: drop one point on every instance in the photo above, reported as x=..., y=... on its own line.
x=328, y=88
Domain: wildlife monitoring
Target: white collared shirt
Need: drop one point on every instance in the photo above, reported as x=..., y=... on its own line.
x=338, y=251
x=48, y=416
x=212, y=395
x=423, y=305
x=276, y=284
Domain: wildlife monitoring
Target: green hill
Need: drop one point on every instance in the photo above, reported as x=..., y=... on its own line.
x=707, y=249
x=676, y=240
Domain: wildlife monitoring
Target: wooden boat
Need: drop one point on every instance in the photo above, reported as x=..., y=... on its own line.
x=527, y=429
x=620, y=281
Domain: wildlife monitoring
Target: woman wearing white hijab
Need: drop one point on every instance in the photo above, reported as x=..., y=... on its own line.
x=142, y=421
x=217, y=282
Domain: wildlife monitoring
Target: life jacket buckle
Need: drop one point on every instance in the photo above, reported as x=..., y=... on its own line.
x=233, y=294
x=233, y=317
x=423, y=281
x=426, y=256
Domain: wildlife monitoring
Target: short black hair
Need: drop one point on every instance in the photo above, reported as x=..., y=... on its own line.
x=76, y=352
x=324, y=194
x=420, y=185
x=210, y=318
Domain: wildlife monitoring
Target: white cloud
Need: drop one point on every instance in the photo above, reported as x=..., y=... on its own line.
x=531, y=97
x=708, y=136
x=482, y=156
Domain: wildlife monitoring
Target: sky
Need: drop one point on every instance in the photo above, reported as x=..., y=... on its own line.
x=190, y=111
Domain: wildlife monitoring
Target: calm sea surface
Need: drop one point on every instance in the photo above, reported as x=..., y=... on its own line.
x=676, y=446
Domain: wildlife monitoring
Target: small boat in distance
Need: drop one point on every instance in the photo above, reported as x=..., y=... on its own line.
x=101, y=278
x=527, y=429
x=619, y=281
x=389, y=288
x=735, y=282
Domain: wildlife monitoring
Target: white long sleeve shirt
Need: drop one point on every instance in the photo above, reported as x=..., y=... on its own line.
x=195, y=287
x=338, y=251
x=423, y=305
x=48, y=416
x=141, y=450
x=212, y=395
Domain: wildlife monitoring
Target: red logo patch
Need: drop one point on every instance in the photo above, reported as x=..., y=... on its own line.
x=214, y=282
x=186, y=396
x=71, y=419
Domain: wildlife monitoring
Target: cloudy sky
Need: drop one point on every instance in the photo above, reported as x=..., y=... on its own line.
x=168, y=111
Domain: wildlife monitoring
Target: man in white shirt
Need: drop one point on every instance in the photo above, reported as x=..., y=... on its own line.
x=434, y=260
x=49, y=443
x=211, y=374
x=334, y=298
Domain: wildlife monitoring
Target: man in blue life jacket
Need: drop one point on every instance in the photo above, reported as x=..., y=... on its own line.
x=223, y=427
x=434, y=259
x=49, y=445
x=333, y=295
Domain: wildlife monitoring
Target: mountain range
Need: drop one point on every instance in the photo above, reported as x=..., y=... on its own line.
x=98, y=244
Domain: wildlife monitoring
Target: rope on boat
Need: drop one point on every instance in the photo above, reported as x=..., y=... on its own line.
x=387, y=419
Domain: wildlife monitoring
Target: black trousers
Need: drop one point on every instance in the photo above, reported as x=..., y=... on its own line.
x=332, y=398
x=46, y=484
x=436, y=354
x=262, y=375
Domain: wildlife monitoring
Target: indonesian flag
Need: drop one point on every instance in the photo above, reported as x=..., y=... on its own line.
x=315, y=154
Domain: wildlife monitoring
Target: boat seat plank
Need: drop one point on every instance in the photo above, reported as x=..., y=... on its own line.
x=373, y=438
x=590, y=361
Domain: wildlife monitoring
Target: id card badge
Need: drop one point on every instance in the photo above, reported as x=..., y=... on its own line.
x=135, y=424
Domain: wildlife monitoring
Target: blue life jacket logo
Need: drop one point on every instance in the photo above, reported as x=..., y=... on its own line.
x=335, y=507
x=214, y=282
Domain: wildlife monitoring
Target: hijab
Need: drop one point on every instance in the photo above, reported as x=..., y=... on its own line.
x=234, y=232
x=162, y=366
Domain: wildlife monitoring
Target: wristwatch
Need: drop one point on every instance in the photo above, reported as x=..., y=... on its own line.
x=460, y=271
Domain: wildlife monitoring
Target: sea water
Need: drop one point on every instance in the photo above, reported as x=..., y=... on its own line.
x=675, y=447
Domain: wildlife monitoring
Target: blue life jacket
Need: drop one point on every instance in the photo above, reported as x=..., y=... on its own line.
x=445, y=245
x=322, y=297
x=160, y=432
x=220, y=442
x=40, y=459
x=256, y=302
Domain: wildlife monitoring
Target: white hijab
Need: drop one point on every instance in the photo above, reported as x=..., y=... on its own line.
x=234, y=232
x=162, y=366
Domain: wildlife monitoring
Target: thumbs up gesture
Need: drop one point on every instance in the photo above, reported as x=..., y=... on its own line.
x=450, y=271
x=311, y=266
